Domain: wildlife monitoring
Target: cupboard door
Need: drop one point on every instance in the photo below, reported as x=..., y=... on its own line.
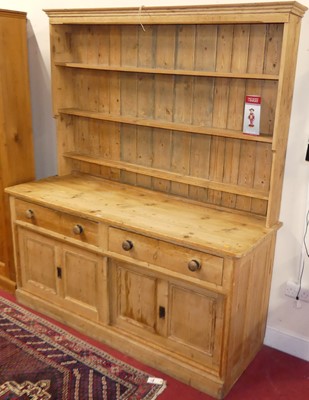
x=138, y=299
x=83, y=282
x=134, y=297
x=195, y=326
x=38, y=261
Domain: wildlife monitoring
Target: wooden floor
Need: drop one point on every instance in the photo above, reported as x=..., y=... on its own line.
x=273, y=375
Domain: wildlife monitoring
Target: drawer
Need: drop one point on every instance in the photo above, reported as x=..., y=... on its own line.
x=59, y=222
x=176, y=258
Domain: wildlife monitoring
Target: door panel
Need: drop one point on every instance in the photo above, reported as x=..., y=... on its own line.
x=38, y=258
x=195, y=323
x=83, y=279
x=136, y=303
x=192, y=320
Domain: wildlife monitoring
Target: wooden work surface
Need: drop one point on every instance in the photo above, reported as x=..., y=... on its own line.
x=155, y=214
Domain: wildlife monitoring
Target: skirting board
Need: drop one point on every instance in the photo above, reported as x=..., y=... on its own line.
x=7, y=284
x=287, y=342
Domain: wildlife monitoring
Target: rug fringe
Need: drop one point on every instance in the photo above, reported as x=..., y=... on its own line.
x=160, y=391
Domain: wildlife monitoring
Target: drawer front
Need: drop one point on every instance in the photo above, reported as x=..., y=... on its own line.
x=57, y=221
x=176, y=258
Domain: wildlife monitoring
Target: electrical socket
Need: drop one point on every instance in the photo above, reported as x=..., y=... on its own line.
x=292, y=288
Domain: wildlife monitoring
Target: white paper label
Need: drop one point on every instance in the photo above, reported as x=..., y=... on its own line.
x=155, y=381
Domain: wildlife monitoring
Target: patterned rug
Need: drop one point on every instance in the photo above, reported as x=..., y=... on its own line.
x=40, y=361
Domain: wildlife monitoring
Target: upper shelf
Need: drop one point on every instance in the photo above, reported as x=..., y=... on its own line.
x=166, y=71
x=154, y=123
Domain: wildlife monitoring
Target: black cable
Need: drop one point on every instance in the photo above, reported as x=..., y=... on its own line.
x=300, y=279
x=307, y=252
x=305, y=234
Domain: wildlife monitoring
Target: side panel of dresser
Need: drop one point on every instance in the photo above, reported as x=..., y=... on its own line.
x=247, y=315
x=16, y=148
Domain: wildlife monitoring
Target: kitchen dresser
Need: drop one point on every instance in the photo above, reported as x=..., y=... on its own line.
x=158, y=234
x=16, y=148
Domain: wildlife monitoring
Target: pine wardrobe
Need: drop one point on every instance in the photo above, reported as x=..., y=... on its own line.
x=16, y=143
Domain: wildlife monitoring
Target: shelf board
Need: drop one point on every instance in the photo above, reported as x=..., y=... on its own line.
x=164, y=71
x=170, y=176
x=174, y=126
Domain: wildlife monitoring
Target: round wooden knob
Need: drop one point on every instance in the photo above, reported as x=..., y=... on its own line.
x=29, y=214
x=127, y=245
x=78, y=229
x=194, y=265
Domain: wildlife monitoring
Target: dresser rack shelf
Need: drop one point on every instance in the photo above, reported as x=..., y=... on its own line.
x=152, y=123
x=165, y=71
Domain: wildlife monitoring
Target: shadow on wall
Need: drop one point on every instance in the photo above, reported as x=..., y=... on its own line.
x=44, y=130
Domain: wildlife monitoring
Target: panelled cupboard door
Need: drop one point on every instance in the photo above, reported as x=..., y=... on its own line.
x=82, y=275
x=64, y=275
x=195, y=323
x=168, y=313
x=38, y=260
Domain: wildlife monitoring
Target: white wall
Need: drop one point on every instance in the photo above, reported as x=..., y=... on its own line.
x=288, y=326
